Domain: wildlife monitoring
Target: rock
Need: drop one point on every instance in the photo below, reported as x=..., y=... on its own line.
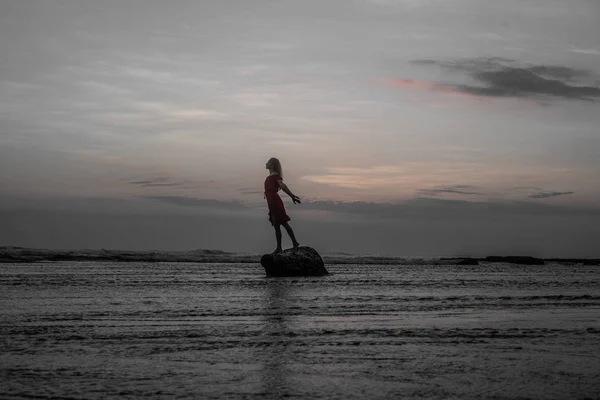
x=468, y=261
x=524, y=260
x=591, y=262
x=303, y=261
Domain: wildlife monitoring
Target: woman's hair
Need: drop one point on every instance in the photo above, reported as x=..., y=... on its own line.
x=276, y=165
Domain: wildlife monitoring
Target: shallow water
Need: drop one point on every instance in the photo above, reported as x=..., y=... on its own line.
x=163, y=330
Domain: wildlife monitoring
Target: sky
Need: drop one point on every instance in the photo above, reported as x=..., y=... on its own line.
x=407, y=127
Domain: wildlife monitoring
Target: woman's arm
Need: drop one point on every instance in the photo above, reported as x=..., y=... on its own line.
x=284, y=187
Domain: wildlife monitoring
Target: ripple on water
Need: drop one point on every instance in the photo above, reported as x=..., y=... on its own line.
x=97, y=330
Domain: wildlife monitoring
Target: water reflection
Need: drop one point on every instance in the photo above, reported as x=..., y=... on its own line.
x=277, y=336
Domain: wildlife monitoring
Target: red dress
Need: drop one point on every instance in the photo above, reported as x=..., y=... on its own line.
x=277, y=213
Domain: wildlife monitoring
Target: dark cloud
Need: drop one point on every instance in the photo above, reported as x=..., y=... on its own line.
x=545, y=195
x=141, y=182
x=452, y=189
x=250, y=191
x=538, y=193
x=433, y=208
x=420, y=207
x=153, y=182
x=161, y=182
x=528, y=191
x=196, y=202
x=422, y=227
x=499, y=77
x=559, y=72
x=526, y=188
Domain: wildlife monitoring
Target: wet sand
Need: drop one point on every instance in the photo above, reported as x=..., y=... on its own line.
x=160, y=330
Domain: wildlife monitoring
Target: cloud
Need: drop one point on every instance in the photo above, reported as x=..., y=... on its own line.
x=586, y=51
x=452, y=189
x=197, y=115
x=150, y=183
x=539, y=193
x=404, y=3
x=431, y=208
x=419, y=207
x=158, y=182
x=169, y=181
x=499, y=77
x=360, y=178
x=530, y=192
x=186, y=201
x=248, y=191
x=526, y=188
x=418, y=84
x=545, y=195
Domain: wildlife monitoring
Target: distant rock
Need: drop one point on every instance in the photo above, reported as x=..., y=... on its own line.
x=303, y=261
x=209, y=251
x=591, y=262
x=468, y=261
x=524, y=260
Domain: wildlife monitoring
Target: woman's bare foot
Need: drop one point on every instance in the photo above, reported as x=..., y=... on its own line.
x=277, y=250
x=296, y=245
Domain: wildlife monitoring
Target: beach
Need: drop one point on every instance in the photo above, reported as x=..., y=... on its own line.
x=223, y=330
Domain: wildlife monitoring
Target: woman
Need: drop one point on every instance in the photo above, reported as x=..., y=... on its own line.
x=277, y=215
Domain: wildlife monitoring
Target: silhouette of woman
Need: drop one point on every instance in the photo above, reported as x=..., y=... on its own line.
x=277, y=215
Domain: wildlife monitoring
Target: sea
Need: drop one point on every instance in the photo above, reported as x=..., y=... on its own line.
x=102, y=330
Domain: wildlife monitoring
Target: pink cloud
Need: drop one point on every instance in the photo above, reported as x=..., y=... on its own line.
x=412, y=84
x=430, y=86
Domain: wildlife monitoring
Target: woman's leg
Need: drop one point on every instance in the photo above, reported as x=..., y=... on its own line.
x=290, y=232
x=278, y=237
